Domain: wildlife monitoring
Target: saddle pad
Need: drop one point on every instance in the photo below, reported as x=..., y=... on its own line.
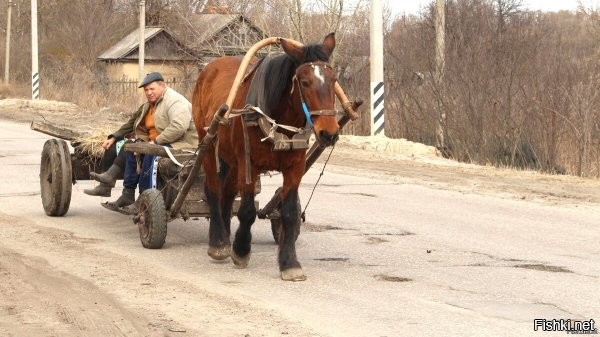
x=257, y=95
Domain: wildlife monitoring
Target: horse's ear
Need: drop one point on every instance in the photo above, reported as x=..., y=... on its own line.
x=292, y=48
x=329, y=44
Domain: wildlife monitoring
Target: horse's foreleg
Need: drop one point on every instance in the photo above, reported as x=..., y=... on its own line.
x=243, y=236
x=227, y=176
x=290, y=224
x=219, y=246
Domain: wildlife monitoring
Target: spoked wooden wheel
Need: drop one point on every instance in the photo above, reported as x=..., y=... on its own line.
x=56, y=177
x=152, y=219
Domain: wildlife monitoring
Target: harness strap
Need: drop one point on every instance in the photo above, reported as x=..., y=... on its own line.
x=248, y=109
x=306, y=113
x=325, y=112
x=248, y=169
x=171, y=156
x=269, y=128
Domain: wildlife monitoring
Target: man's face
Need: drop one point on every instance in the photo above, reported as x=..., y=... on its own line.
x=153, y=91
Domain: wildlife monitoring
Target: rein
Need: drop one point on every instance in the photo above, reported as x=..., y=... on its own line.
x=303, y=214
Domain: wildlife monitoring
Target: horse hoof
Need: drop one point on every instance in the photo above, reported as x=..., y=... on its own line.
x=293, y=274
x=240, y=261
x=219, y=253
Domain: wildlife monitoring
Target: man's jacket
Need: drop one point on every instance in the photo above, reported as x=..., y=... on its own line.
x=172, y=119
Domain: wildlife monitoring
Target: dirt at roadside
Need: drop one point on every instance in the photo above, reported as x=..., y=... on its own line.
x=55, y=283
x=465, y=178
x=390, y=159
x=63, y=114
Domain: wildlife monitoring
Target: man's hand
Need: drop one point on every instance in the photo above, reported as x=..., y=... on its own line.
x=107, y=143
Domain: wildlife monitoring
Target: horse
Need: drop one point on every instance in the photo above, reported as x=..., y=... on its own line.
x=298, y=92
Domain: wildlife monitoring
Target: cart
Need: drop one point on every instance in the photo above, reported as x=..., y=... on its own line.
x=60, y=169
x=180, y=193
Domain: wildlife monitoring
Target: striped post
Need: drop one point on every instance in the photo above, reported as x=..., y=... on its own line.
x=377, y=94
x=377, y=108
x=35, y=85
x=35, y=75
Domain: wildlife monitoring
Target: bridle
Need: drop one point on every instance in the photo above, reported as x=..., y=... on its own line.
x=308, y=113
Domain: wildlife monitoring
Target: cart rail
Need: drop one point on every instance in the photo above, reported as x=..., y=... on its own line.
x=54, y=130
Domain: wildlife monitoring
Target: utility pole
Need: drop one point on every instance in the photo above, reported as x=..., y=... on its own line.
x=7, y=55
x=142, y=39
x=440, y=64
x=377, y=92
x=35, y=76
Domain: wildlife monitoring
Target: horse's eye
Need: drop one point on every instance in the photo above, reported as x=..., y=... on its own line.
x=305, y=83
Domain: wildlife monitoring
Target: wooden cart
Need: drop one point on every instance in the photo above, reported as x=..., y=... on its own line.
x=60, y=170
x=180, y=193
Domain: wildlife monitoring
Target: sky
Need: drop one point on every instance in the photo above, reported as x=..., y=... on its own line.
x=412, y=6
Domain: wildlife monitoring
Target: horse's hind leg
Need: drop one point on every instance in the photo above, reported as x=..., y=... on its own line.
x=219, y=246
x=243, y=236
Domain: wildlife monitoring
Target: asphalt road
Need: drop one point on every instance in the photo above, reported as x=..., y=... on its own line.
x=382, y=259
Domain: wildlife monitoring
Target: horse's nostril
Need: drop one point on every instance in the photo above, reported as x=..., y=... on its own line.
x=328, y=137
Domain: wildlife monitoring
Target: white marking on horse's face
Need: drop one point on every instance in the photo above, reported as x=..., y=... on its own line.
x=319, y=75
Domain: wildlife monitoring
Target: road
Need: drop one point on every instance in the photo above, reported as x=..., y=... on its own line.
x=382, y=257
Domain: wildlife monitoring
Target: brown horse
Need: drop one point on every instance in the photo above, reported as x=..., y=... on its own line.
x=293, y=83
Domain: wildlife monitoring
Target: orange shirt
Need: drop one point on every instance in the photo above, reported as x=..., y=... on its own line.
x=149, y=123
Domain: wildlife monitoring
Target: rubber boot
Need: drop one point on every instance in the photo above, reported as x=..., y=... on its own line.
x=132, y=209
x=126, y=199
x=101, y=190
x=109, y=177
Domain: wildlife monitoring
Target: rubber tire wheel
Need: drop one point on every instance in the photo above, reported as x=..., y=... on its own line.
x=152, y=219
x=56, y=177
x=276, y=224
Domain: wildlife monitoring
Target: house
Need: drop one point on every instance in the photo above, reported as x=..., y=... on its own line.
x=162, y=52
x=174, y=52
x=217, y=34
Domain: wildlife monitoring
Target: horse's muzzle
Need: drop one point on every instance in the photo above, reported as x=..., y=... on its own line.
x=327, y=138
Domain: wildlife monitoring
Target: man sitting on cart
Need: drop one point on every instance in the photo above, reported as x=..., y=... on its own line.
x=165, y=119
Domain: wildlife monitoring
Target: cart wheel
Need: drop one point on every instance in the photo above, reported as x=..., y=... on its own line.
x=56, y=177
x=276, y=223
x=152, y=219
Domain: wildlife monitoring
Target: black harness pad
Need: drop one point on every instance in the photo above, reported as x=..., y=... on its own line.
x=257, y=94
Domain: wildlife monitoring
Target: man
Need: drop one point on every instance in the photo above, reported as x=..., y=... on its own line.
x=165, y=119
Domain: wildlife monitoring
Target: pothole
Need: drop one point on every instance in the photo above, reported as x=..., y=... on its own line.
x=320, y=228
x=362, y=194
x=401, y=233
x=543, y=267
x=333, y=259
x=388, y=278
x=373, y=240
x=19, y=194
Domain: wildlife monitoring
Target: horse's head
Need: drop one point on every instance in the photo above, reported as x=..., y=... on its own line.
x=313, y=88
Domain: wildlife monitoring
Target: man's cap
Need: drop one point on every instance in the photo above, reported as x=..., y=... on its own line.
x=151, y=77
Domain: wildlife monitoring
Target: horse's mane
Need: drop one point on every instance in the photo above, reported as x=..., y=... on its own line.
x=279, y=74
